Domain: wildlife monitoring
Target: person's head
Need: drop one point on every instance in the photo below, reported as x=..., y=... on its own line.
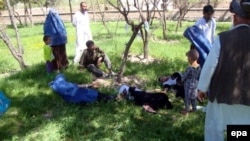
x=162, y=79
x=46, y=39
x=192, y=55
x=241, y=11
x=90, y=45
x=208, y=12
x=123, y=92
x=83, y=7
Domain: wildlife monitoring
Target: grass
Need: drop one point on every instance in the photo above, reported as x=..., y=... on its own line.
x=32, y=98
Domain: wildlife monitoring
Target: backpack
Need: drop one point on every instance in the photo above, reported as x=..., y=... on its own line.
x=4, y=104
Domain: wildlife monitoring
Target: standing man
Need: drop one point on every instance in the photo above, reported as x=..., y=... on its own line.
x=207, y=23
x=226, y=73
x=83, y=32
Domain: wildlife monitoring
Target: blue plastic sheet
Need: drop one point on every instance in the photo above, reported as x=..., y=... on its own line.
x=197, y=38
x=4, y=103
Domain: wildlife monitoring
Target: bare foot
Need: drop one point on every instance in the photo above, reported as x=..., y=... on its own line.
x=149, y=109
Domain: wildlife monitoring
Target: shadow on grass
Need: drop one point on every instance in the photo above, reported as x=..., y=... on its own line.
x=32, y=99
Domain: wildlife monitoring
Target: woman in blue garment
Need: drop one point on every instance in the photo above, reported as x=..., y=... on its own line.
x=54, y=28
x=75, y=93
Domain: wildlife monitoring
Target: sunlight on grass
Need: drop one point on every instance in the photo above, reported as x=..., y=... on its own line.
x=32, y=99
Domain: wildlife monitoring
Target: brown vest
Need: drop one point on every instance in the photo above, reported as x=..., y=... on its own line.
x=231, y=81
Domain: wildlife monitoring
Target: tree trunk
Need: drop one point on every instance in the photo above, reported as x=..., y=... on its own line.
x=25, y=13
x=70, y=8
x=30, y=14
x=125, y=56
x=103, y=16
x=17, y=16
x=183, y=12
x=41, y=6
x=145, y=45
x=16, y=52
x=164, y=26
x=177, y=25
x=93, y=10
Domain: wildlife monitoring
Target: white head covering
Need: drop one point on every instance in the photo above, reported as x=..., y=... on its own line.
x=122, y=88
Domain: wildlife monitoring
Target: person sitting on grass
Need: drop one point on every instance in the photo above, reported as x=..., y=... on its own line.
x=92, y=58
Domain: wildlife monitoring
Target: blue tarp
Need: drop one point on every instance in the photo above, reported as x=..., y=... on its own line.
x=197, y=38
x=4, y=103
x=54, y=28
x=70, y=92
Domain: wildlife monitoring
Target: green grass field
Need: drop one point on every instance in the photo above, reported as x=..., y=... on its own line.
x=32, y=98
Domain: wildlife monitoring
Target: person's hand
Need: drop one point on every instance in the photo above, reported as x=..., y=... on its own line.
x=99, y=61
x=201, y=96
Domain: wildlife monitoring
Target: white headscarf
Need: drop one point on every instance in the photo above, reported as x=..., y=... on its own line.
x=122, y=88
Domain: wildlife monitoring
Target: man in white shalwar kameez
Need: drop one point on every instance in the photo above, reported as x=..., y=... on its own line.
x=226, y=75
x=83, y=31
x=207, y=23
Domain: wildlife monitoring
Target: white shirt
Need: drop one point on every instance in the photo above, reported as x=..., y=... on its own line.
x=211, y=64
x=208, y=28
x=82, y=25
x=170, y=81
x=219, y=115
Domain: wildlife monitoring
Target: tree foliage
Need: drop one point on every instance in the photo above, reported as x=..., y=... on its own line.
x=2, y=4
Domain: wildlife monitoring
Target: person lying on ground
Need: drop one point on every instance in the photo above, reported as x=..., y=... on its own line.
x=77, y=93
x=151, y=101
x=173, y=82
